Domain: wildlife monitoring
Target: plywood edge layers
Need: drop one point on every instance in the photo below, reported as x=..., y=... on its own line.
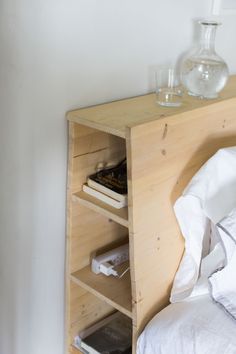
x=68, y=233
x=73, y=116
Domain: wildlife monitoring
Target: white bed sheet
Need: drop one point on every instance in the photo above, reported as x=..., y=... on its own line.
x=194, y=326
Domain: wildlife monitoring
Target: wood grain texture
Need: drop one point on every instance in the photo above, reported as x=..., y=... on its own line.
x=69, y=224
x=118, y=215
x=74, y=350
x=91, y=233
x=165, y=155
x=114, y=117
x=114, y=291
x=87, y=231
x=165, y=147
x=88, y=154
x=85, y=310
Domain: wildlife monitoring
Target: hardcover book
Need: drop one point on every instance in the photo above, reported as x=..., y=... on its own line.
x=113, y=337
x=111, y=181
x=104, y=198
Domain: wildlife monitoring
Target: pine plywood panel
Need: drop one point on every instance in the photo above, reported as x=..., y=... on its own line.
x=75, y=351
x=84, y=155
x=87, y=147
x=165, y=154
x=91, y=232
x=134, y=339
x=165, y=148
x=84, y=163
x=85, y=310
x=69, y=214
x=116, y=116
x=115, y=291
x=87, y=140
x=118, y=215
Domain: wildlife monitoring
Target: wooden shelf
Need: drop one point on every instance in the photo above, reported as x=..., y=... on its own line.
x=114, y=291
x=75, y=351
x=118, y=215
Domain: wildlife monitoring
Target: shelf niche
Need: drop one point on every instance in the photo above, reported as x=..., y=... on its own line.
x=114, y=291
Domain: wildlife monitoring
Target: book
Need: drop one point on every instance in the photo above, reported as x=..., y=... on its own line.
x=111, y=182
x=112, y=337
x=86, y=332
x=104, y=198
x=110, y=193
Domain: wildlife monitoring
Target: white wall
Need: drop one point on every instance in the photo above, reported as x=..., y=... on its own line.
x=56, y=55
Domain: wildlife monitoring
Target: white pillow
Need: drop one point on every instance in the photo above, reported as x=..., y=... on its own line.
x=223, y=282
x=210, y=195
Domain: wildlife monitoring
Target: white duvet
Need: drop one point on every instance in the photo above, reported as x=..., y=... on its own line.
x=194, y=326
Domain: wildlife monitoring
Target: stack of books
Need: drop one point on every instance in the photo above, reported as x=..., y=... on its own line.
x=109, y=185
x=112, y=335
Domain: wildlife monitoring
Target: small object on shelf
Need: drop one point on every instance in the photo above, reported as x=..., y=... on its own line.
x=109, y=185
x=110, y=193
x=112, y=335
x=103, y=165
x=106, y=262
x=169, y=92
x=111, y=181
x=100, y=166
x=204, y=73
x=104, y=198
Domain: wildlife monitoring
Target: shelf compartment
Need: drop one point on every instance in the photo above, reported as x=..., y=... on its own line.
x=114, y=291
x=118, y=215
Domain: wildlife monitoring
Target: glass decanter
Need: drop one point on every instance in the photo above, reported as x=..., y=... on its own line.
x=204, y=73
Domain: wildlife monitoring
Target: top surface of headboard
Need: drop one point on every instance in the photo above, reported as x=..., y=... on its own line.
x=115, y=117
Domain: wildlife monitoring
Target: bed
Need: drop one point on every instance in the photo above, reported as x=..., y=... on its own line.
x=195, y=326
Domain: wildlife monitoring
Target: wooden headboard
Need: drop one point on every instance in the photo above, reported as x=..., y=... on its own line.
x=165, y=154
x=164, y=147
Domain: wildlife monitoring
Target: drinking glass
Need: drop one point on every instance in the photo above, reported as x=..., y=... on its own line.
x=169, y=92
